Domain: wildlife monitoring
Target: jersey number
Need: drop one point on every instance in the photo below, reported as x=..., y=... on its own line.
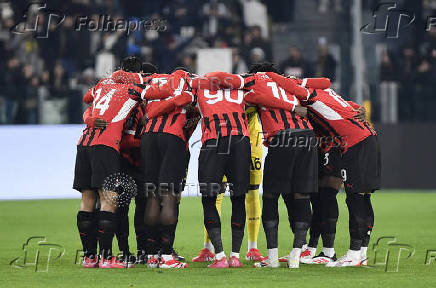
x=103, y=102
x=338, y=98
x=221, y=94
x=275, y=91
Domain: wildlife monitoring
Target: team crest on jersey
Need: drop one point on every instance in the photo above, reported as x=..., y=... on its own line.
x=264, y=76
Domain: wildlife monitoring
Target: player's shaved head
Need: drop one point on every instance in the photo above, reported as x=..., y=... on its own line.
x=131, y=64
x=263, y=67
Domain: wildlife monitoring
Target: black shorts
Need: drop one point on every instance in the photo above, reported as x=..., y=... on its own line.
x=134, y=172
x=361, y=170
x=229, y=156
x=164, y=160
x=330, y=163
x=93, y=165
x=291, y=165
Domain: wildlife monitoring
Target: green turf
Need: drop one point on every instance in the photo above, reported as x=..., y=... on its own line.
x=408, y=216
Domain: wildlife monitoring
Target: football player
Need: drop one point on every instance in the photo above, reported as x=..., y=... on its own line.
x=97, y=160
x=334, y=117
x=252, y=203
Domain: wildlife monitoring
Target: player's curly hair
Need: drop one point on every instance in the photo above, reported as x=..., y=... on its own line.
x=263, y=67
x=131, y=64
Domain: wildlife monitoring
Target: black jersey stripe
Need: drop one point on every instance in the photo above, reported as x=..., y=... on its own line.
x=217, y=125
x=356, y=124
x=313, y=95
x=228, y=124
x=274, y=116
x=84, y=136
x=294, y=119
x=284, y=119
x=174, y=119
x=238, y=122
x=163, y=122
x=207, y=123
x=91, y=137
x=325, y=123
x=369, y=128
x=134, y=92
x=319, y=128
x=249, y=84
x=244, y=117
x=142, y=86
x=153, y=124
x=305, y=124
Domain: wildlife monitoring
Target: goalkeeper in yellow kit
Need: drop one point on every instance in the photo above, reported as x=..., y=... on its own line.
x=252, y=204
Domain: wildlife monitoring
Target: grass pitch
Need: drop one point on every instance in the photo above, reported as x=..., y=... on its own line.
x=410, y=217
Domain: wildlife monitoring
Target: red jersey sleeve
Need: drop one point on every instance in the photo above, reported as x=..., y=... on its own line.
x=174, y=84
x=87, y=117
x=225, y=80
x=316, y=83
x=290, y=85
x=354, y=105
x=267, y=100
x=163, y=106
x=89, y=96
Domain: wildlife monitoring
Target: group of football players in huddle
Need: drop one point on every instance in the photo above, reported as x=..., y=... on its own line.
x=139, y=123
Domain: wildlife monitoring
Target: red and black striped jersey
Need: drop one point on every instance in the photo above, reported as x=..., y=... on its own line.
x=258, y=90
x=275, y=120
x=111, y=102
x=173, y=121
x=331, y=115
x=222, y=113
x=130, y=148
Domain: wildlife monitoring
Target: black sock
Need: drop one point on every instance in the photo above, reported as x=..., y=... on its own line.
x=270, y=220
x=139, y=223
x=122, y=231
x=106, y=230
x=300, y=217
x=174, y=227
x=369, y=220
x=212, y=222
x=167, y=238
x=152, y=239
x=238, y=221
x=357, y=221
x=329, y=216
x=315, y=224
x=87, y=226
x=301, y=221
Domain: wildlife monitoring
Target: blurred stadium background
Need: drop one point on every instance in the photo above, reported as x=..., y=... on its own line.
x=43, y=78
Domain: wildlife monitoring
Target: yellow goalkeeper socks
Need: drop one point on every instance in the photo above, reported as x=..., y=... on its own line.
x=252, y=207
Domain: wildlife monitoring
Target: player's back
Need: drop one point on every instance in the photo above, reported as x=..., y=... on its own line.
x=222, y=113
x=111, y=103
x=333, y=116
x=172, y=122
x=275, y=120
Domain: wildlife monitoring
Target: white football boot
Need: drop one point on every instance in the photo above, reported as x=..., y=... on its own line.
x=294, y=258
x=351, y=259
